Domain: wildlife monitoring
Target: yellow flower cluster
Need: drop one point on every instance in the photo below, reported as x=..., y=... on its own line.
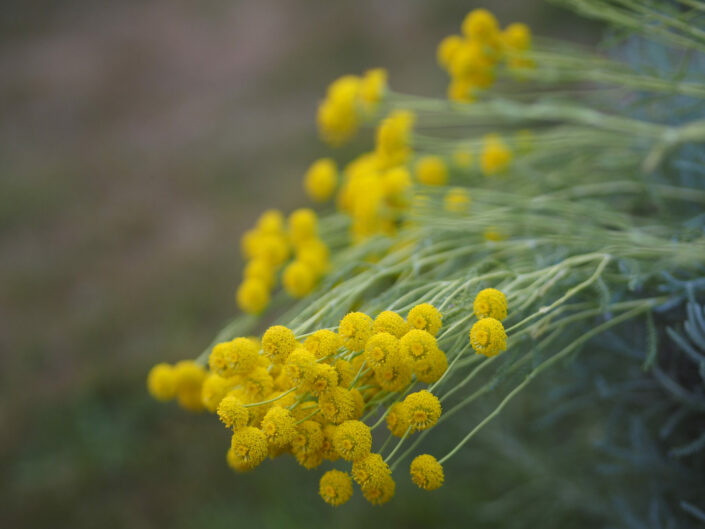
x=349, y=100
x=471, y=59
x=267, y=249
x=280, y=395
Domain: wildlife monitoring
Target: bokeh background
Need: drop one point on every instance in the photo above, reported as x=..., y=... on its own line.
x=137, y=141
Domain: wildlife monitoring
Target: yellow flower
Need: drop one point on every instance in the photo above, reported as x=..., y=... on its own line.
x=335, y=487
x=426, y=317
x=252, y=296
x=337, y=116
x=431, y=367
x=396, y=372
x=214, y=390
x=303, y=225
x=426, y=472
x=249, y=446
x=321, y=179
x=278, y=342
x=279, y=426
x=248, y=243
x=358, y=403
x=432, y=171
x=424, y=409
x=323, y=343
x=235, y=462
x=496, y=156
x=308, y=438
x=161, y=382
x=345, y=372
x=352, y=440
x=370, y=471
x=381, y=494
x=380, y=347
x=456, y=200
x=355, y=329
x=309, y=460
x=398, y=419
x=490, y=302
x=232, y=358
x=470, y=63
x=320, y=378
x=189, y=377
x=372, y=88
x=461, y=90
x=337, y=405
x=488, y=337
x=393, y=138
x=272, y=248
x=447, y=48
x=417, y=344
x=298, y=364
x=298, y=279
x=517, y=36
x=232, y=413
x=391, y=322
x=328, y=448
x=271, y=222
x=314, y=253
x=261, y=270
x=480, y=25
x=396, y=183
x=258, y=383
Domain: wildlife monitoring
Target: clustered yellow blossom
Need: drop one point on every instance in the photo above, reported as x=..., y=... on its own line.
x=292, y=247
x=473, y=58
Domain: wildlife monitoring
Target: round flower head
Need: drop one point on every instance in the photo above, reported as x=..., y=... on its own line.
x=320, y=378
x=303, y=225
x=395, y=374
x=358, y=403
x=261, y=270
x=279, y=426
x=370, y=471
x=432, y=171
x=431, y=367
x=214, y=390
x=372, y=88
x=426, y=472
x=258, y=383
x=425, y=317
x=365, y=373
x=337, y=405
x=321, y=179
x=323, y=343
x=424, y=409
x=335, y=487
x=189, y=377
x=337, y=121
x=248, y=243
x=298, y=279
x=380, y=494
x=232, y=358
x=315, y=254
x=309, y=461
x=481, y=25
x=308, y=438
x=490, y=302
x=398, y=419
x=395, y=184
x=249, y=446
x=391, y=322
x=161, y=382
x=488, y=337
x=355, y=329
x=517, y=36
x=496, y=156
x=252, y=295
x=470, y=63
x=232, y=413
x=278, y=342
x=417, y=345
x=273, y=248
x=235, y=462
x=447, y=48
x=456, y=200
x=345, y=372
x=299, y=362
x=393, y=138
x=328, y=448
x=353, y=440
x=380, y=347
x=271, y=222
x=461, y=90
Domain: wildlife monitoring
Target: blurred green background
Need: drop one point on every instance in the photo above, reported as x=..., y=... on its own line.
x=137, y=141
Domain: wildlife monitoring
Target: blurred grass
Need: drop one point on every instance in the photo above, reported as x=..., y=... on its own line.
x=137, y=142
